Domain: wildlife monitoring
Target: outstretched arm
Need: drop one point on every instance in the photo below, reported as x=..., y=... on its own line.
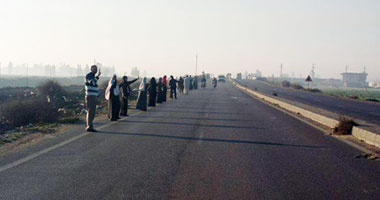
x=130, y=82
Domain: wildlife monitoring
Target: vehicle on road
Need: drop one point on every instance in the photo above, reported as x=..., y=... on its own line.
x=221, y=78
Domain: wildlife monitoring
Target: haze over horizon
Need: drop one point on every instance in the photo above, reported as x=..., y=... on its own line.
x=163, y=36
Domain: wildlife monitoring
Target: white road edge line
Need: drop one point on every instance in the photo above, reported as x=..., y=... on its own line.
x=44, y=151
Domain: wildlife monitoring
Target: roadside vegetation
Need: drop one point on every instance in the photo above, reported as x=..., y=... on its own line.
x=42, y=109
x=370, y=94
x=364, y=94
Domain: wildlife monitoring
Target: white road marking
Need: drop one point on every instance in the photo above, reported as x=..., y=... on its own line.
x=68, y=141
x=340, y=105
x=234, y=97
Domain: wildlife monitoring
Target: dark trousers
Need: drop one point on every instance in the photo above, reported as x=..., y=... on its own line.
x=91, y=110
x=173, y=91
x=165, y=93
x=124, y=106
x=114, y=108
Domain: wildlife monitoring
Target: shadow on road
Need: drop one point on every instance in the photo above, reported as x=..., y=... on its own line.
x=198, y=112
x=212, y=140
x=189, y=124
x=191, y=118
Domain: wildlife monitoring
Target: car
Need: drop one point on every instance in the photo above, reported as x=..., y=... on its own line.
x=221, y=78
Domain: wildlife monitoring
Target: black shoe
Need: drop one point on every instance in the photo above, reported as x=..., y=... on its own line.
x=91, y=130
x=113, y=120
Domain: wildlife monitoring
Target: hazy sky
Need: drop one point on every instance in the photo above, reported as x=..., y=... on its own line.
x=163, y=36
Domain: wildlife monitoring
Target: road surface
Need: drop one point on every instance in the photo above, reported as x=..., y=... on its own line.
x=368, y=112
x=213, y=144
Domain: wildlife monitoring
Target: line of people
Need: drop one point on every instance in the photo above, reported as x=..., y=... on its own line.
x=157, y=92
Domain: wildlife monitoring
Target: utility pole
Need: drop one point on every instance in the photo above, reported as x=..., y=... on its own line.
x=346, y=68
x=196, y=64
x=313, y=72
x=281, y=71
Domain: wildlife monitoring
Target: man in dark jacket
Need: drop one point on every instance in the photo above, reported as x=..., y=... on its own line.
x=126, y=91
x=173, y=87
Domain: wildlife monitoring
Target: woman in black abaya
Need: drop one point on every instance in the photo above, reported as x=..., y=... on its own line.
x=152, y=92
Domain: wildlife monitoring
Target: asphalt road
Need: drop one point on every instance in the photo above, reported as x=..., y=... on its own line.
x=368, y=112
x=213, y=144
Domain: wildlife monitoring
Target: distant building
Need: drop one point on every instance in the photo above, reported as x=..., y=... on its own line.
x=239, y=76
x=254, y=76
x=358, y=80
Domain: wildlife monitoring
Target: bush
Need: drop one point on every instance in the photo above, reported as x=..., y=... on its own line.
x=373, y=100
x=53, y=90
x=314, y=90
x=344, y=126
x=296, y=86
x=354, y=97
x=285, y=84
x=20, y=113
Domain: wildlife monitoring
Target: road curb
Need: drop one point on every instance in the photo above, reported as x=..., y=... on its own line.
x=364, y=135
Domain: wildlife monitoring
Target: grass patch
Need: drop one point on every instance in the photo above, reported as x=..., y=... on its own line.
x=69, y=120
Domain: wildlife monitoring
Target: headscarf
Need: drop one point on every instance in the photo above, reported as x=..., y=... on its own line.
x=116, y=90
x=164, y=81
x=142, y=86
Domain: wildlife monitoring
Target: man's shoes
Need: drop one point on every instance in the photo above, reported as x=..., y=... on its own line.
x=91, y=130
x=113, y=120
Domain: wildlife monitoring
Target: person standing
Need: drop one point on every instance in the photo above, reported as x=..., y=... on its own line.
x=152, y=92
x=186, y=85
x=126, y=91
x=173, y=87
x=180, y=84
x=195, y=83
x=91, y=95
x=142, y=97
x=112, y=95
x=191, y=83
x=165, y=87
x=160, y=92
